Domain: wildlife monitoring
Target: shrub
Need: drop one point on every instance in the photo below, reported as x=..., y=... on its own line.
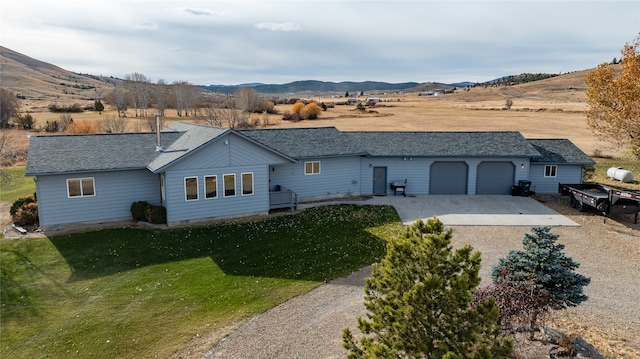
x=26, y=122
x=297, y=107
x=156, y=214
x=139, y=210
x=20, y=202
x=311, y=111
x=83, y=127
x=72, y=108
x=295, y=117
x=25, y=211
x=52, y=126
x=543, y=266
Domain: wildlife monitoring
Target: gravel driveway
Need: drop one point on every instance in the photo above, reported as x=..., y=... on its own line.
x=310, y=326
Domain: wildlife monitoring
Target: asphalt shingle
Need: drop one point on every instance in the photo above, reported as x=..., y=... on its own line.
x=93, y=152
x=559, y=151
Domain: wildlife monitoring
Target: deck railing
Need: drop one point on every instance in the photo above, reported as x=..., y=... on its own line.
x=283, y=199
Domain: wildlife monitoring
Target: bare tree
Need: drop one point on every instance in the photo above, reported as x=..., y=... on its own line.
x=180, y=92
x=113, y=124
x=119, y=99
x=247, y=99
x=508, y=103
x=212, y=112
x=162, y=94
x=150, y=123
x=141, y=91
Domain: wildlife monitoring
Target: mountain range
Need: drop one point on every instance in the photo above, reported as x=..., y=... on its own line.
x=37, y=81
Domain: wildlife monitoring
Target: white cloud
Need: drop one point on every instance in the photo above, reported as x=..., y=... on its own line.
x=338, y=40
x=283, y=26
x=194, y=11
x=146, y=26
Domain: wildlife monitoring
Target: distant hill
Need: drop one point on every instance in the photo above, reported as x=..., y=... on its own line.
x=317, y=86
x=40, y=83
x=37, y=81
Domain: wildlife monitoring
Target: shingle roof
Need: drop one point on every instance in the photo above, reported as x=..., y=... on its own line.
x=193, y=137
x=443, y=144
x=111, y=152
x=306, y=142
x=329, y=141
x=93, y=152
x=560, y=151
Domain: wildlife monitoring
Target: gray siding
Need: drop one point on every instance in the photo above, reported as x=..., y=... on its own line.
x=227, y=151
x=338, y=176
x=417, y=171
x=179, y=209
x=115, y=191
x=414, y=170
x=564, y=174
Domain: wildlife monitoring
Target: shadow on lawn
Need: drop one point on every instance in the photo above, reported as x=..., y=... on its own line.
x=317, y=244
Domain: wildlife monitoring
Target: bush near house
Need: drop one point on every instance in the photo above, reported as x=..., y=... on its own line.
x=24, y=211
x=156, y=214
x=145, y=211
x=139, y=210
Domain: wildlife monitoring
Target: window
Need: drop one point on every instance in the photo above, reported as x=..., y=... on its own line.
x=550, y=170
x=81, y=187
x=191, y=188
x=247, y=184
x=229, y=185
x=162, y=191
x=312, y=168
x=210, y=187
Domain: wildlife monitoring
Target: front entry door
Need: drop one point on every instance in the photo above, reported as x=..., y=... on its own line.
x=379, y=181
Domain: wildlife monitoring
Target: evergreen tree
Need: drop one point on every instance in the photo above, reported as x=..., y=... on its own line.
x=98, y=106
x=543, y=266
x=418, y=302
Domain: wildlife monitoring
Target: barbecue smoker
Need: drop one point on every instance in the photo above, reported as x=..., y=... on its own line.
x=399, y=186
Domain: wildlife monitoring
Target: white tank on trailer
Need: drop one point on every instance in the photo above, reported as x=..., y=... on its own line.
x=620, y=174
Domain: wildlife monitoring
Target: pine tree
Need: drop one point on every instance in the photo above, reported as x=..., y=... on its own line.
x=543, y=266
x=418, y=302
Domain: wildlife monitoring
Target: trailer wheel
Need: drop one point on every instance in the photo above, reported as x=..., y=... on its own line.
x=580, y=206
x=572, y=201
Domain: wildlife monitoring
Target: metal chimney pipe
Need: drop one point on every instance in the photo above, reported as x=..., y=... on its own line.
x=158, y=144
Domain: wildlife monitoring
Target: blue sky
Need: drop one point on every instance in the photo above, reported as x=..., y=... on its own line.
x=233, y=42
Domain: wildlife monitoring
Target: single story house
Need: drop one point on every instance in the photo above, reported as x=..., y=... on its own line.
x=200, y=172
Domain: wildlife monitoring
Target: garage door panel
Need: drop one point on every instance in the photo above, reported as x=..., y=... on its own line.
x=448, y=177
x=495, y=178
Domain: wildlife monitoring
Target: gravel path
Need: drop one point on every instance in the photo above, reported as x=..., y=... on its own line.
x=310, y=326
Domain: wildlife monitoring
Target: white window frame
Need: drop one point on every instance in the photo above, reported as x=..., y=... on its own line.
x=82, y=189
x=163, y=193
x=206, y=192
x=224, y=185
x=242, y=184
x=313, y=171
x=186, y=198
x=550, y=171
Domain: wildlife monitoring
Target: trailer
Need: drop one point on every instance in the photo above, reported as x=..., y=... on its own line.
x=605, y=199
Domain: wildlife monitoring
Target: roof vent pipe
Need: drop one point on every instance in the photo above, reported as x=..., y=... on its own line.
x=158, y=145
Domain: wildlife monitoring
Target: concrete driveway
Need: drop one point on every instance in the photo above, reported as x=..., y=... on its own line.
x=474, y=210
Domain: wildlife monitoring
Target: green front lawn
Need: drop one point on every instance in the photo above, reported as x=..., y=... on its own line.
x=134, y=293
x=14, y=184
